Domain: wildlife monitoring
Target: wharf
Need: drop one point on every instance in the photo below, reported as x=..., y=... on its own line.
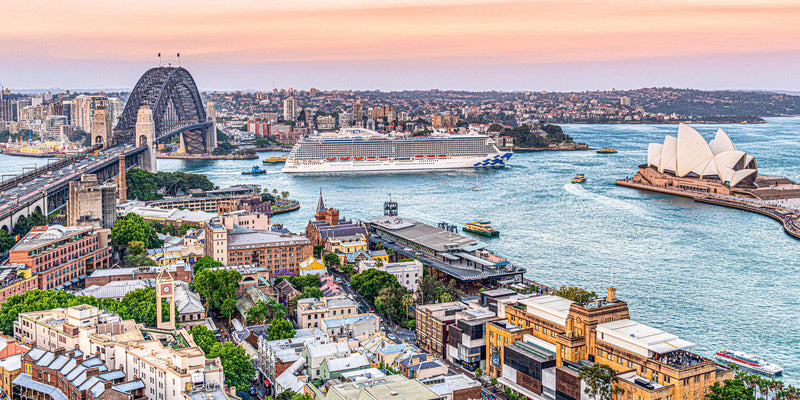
x=788, y=218
x=294, y=205
x=576, y=147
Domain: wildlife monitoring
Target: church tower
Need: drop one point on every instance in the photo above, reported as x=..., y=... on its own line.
x=320, y=207
x=165, y=289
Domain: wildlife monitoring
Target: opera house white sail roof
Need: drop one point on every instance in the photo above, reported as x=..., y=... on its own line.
x=689, y=155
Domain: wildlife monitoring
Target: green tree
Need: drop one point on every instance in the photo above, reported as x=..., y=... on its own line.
x=141, y=305
x=181, y=230
x=493, y=382
x=26, y=223
x=132, y=228
x=331, y=260
x=6, y=241
x=318, y=250
x=280, y=329
x=370, y=282
x=141, y=185
x=730, y=389
x=238, y=366
x=478, y=373
x=203, y=337
x=600, y=381
x=137, y=255
x=576, y=294
x=205, y=262
x=428, y=287
x=218, y=289
x=390, y=301
x=258, y=313
x=453, y=290
x=310, y=292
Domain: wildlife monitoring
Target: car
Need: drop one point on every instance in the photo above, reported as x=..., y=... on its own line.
x=372, y=309
x=408, y=249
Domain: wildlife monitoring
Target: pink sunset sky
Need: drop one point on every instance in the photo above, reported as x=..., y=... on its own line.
x=361, y=44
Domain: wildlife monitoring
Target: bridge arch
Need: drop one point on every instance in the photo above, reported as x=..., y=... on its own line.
x=38, y=210
x=172, y=95
x=5, y=228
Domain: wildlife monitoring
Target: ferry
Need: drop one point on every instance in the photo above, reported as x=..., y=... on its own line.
x=750, y=362
x=256, y=170
x=483, y=228
x=606, y=150
x=274, y=160
x=580, y=178
x=360, y=150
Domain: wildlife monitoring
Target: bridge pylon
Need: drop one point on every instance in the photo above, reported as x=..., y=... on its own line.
x=146, y=136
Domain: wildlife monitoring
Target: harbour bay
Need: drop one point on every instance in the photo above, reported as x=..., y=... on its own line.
x=718, y=277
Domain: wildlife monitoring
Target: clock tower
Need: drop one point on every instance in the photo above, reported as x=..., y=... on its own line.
x=165, y=289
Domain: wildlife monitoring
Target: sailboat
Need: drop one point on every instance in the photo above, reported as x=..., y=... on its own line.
x=476, y=187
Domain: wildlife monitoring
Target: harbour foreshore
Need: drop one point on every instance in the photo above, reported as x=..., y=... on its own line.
x=788, y=218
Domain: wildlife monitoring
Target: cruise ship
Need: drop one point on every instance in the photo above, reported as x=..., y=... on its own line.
x=750, y=362
x=361, y=150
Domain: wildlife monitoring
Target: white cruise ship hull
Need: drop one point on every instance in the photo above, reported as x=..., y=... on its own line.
x=390, y=165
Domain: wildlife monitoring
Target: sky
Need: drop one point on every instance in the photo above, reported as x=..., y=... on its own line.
x=563, y=45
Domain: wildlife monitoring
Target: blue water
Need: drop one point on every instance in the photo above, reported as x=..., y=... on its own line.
x=718, y=277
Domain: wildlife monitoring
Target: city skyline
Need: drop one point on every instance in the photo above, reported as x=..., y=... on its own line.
x=478, y=45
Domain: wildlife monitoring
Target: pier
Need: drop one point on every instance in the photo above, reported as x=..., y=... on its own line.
x=788, y=218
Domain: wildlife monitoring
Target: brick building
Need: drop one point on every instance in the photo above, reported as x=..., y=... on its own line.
x=180, y=271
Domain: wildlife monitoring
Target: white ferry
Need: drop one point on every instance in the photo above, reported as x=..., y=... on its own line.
x=749, y=361
x=358, y=150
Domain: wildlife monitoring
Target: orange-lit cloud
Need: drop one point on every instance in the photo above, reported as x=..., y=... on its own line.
x=489, y=32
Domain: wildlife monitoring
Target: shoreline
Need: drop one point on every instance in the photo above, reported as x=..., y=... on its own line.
x=788, y=218
x=208, y=157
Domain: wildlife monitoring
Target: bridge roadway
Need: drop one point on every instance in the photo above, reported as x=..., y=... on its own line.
x=48, y=191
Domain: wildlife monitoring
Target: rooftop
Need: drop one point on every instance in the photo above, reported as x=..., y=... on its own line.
x=349, y=320
x=346, y=363
x=383, y=388
x=49, y=235
x=260, y=238
x=427, y=235
x=447, y=384
x=639, y=338
x=551, y=308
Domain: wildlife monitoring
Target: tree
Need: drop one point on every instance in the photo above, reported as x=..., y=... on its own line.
x=453, y=290
x=181, y=230
x=280, y=329
x=238, y=366
x=390, y=301
x=493, y=382
x=310, y=292
x=141, y=305
x=137, y=255
x=428, y=287
x=730, y=389
x=331, y=260
x=6, y=241
x=318, y=250
x=478, y=373
x=576, y=294
x=284, y=195
x=218, y=289
x=132, y=228
x=24, y=224
x=205, y=262
x=600, y=381
x=203, y=337
x=370, y=282
x=258, y=313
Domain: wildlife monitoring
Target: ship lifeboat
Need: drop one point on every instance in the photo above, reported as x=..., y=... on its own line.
x=442, y=156
x=431, y=156
x=358, y=158
x=419, y=156
x=330, y=159
x=370, y=158
x=344, y=158
x=383, y=158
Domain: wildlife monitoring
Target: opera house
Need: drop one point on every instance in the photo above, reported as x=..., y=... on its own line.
x=688, y=162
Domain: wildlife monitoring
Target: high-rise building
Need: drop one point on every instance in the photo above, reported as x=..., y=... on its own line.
x=79, y=112
x=6, y=109
x=115, y=107
x=625, y=101
x=289, y=109
x=91, y=203
x=358, y=111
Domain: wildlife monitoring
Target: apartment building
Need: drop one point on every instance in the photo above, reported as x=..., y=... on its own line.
x=360, y=326
x=61, y=256
x=466, y=338
x=311, y=312
x=432, y=322
x=16, y=279
x=406, y=272
x=68, y=328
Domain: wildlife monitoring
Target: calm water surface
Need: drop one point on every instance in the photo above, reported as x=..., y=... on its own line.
x=717, y=277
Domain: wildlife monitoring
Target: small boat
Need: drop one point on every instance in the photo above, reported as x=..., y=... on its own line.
x=749, y=361
x=606, y=150
x=483, y=228
x=580, y=178
x=274, y=160
x=256, y=170
x=476, y=187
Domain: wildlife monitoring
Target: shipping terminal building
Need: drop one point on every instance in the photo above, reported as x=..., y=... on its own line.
x=444, y=252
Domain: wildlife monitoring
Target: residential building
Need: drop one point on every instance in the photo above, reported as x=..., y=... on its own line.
x=290, y=109
x=359, y=326
x=390, y=387
x=180, y=271
x=311, y=312
x=421, y=365
x=314, y=354
x=454, y=387
x=432, y=322
x=501, y=333
x=407, y=273
x=333, y=368
x=276, y=356
x=287, y=292
x=280, y=253
x=16, y=279
x=466, y=338
x=63, y=375
x=528, y=369
x=62, y=256
x=92, y=203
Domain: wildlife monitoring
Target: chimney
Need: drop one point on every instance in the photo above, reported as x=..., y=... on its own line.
x=122, y=185
x=612, y=295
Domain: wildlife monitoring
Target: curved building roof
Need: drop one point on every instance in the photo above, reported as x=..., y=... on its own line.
x=690, y=155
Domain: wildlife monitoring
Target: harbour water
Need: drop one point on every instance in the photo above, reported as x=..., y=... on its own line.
x=718, y=277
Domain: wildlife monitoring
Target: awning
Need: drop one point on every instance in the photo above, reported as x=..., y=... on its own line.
x=75, y=280
x=449, y=256
x=60, y=287
x=82, y=277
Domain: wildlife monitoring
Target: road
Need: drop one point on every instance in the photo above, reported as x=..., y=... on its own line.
x=393, y=331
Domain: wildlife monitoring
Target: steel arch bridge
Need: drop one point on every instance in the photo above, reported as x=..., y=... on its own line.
x=172, y=95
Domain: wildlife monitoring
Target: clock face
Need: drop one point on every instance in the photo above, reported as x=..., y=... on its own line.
x=166, y=289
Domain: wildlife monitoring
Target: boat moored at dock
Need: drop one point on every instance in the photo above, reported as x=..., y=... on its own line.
x=483, y=228
x=750, y=362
